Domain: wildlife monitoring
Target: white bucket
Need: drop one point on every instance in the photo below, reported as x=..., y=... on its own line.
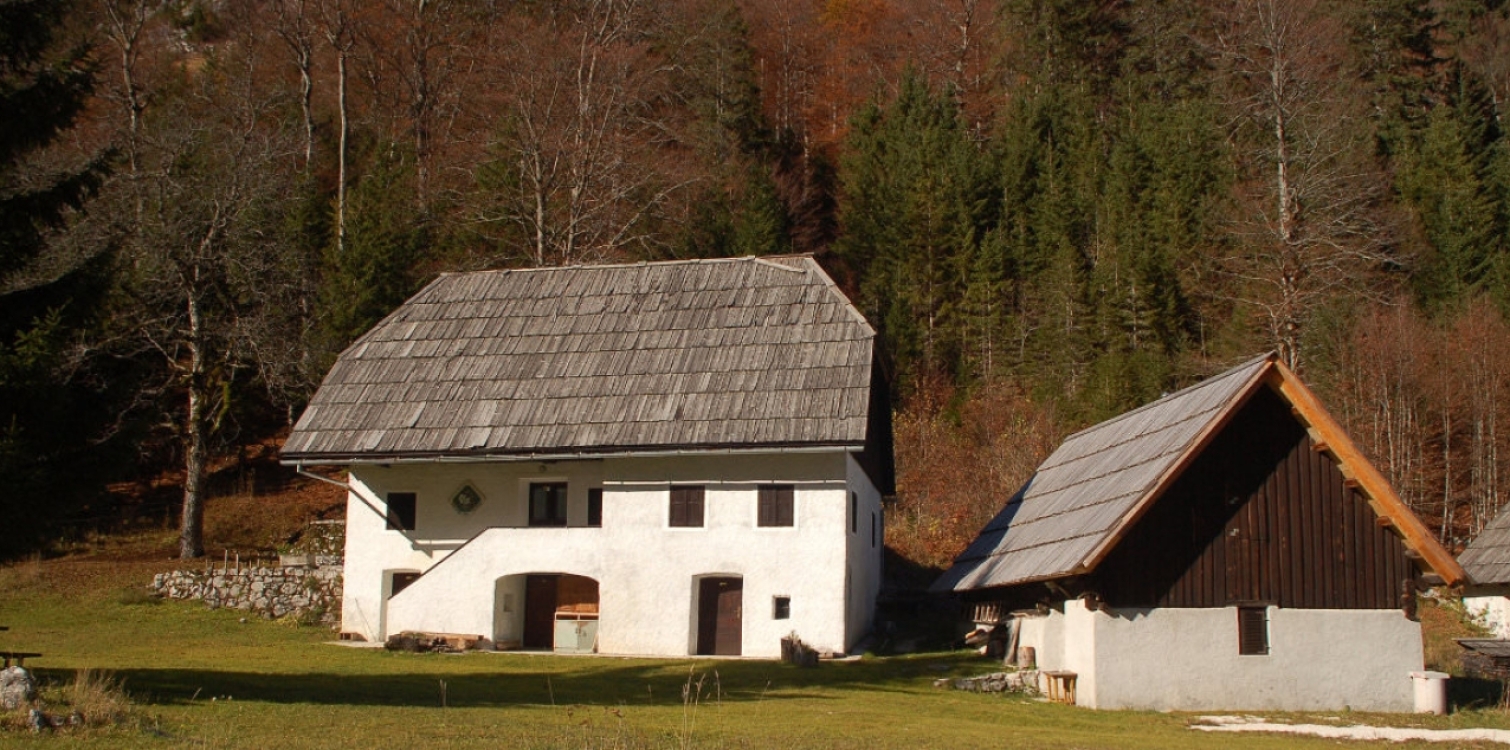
x=1431, y=692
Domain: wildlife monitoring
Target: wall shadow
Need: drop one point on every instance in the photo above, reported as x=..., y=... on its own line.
x=647, y=684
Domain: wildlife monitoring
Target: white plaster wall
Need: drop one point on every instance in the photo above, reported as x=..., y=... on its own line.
x=1186, y=659
x=865, y=554
x=1490, y=606
x=646, y=570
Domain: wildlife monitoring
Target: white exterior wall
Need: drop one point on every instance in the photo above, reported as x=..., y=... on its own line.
x=1490, y=606
x=1186, y=659
x=646, y=570
x=866, y=549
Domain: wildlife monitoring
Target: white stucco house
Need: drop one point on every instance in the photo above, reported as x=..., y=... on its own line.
x=659, y=458
x=1226, y=547
x=1486, y=560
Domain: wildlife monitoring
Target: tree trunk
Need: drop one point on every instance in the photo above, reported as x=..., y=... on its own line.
x=191, y=535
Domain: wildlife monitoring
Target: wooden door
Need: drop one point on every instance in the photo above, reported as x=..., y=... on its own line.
x=720, y=611
x=540, y=611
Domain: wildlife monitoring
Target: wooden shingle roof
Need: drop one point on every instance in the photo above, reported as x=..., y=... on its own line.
x=708, y=354
x=1089, y=492
x=1487, y=559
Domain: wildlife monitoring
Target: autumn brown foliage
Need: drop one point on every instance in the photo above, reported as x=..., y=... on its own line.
x=960, y=456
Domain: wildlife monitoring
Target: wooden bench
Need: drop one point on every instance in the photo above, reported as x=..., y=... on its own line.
x=19, y=656
x=1061, y=686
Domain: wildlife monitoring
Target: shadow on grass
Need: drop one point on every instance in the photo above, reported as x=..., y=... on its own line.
x=1474, y=692
x=647, y=684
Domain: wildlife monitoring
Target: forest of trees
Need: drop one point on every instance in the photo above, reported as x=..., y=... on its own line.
x=1052, y=210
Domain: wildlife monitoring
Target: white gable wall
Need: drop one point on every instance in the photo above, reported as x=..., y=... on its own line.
x=647, y=571
x=1490, y=606
x=1187, y=659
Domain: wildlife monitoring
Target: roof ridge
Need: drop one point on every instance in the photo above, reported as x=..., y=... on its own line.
x=1183, y=392
x=634, y=264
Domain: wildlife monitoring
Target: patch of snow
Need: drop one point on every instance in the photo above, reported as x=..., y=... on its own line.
x=1355, y=732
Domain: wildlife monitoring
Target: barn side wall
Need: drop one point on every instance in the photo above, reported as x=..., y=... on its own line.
x=1187, y=659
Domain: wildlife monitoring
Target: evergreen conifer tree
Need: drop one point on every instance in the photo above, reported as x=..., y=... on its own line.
x=46, y=418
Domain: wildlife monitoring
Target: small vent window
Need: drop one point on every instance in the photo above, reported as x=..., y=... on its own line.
x=781, y=608
x=1253, y=631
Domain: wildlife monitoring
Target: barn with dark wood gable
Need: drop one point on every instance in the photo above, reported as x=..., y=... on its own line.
x=1225, y=547
x=657, y=458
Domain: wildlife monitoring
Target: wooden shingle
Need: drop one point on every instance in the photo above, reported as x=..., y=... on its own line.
x=653, y=355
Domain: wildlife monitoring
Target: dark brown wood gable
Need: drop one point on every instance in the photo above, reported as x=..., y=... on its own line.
x=1260, y=516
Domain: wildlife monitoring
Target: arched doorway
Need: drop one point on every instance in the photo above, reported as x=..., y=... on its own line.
x=547, y=612
x=720, y=615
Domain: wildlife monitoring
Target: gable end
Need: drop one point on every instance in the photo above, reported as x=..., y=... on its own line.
x=1262, y=516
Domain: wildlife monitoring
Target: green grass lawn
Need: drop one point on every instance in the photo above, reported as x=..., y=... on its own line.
x=204, y=679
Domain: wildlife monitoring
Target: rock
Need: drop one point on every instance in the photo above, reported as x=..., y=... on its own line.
x=997, y=682
x=38, y=721
x=17, y=688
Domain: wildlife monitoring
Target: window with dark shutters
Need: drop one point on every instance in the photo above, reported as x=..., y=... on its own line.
x=687, y=506
x=401, y=510
x=1253, y=631
x=776, y=505
x=595, y=506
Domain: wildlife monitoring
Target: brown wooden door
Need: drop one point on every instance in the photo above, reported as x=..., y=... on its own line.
x=540, y=611
x=720, y=610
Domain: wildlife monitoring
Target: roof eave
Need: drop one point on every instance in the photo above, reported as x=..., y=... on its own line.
x=558, y=454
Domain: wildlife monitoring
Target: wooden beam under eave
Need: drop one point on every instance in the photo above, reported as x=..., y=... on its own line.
x=1373, y=485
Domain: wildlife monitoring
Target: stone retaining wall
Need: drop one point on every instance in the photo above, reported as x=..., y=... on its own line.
x=309, y=593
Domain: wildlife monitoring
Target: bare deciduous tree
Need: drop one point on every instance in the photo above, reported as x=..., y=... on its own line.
x=1306, y=227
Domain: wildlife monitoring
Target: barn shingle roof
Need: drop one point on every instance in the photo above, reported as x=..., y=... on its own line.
x=1099, y=481
x=1487, y=559
x=708, y=354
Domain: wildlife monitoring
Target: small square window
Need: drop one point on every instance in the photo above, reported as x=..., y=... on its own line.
x=781, y=608
x=687, y=507
x=1252, y=631
x=595, y=506
x=548, y=504
x=401, y=511
x=776, y=505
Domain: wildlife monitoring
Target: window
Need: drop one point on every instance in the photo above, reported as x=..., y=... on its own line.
x=1252, y=631
x=595, y=506
x=854, y=512
x=873, y=529
x=781, y=608
x=401, y=511
x=687, y=506
x=775, y=505
x=548, y=504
